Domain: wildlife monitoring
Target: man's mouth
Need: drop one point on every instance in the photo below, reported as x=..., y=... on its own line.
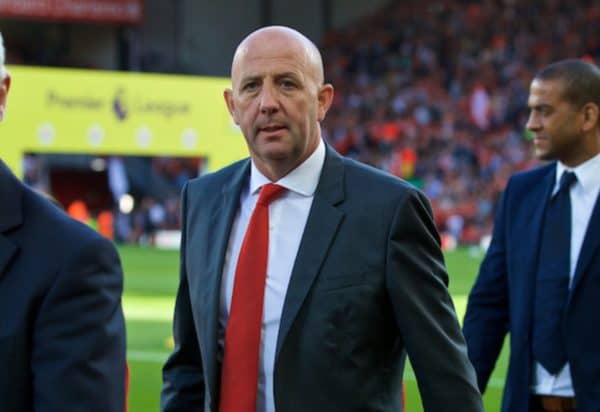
x=272, y=128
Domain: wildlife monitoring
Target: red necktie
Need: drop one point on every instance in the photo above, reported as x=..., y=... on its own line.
x=239, y=376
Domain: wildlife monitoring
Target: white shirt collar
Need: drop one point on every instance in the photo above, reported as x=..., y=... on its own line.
x=302, y=180
x=588, y=174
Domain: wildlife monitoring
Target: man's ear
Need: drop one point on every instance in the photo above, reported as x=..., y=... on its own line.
x=228, y=95
x=4, y=87
x=591, y=116
x=325, y=97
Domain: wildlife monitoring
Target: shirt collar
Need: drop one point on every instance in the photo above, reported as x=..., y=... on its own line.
x=587, y=174
x=302, y=180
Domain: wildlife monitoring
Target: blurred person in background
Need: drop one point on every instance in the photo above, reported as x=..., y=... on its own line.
x=62, y=332
x=310, y=303
x=540, y=279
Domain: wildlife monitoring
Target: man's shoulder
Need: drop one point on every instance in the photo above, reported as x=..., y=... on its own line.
x=216, y=180
x=524, y=180
x=363, y=177
x=57, y=229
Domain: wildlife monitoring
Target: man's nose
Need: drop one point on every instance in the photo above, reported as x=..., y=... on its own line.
x=268, y=100
x=533, y=122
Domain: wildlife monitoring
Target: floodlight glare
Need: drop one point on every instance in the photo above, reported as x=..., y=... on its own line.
x=126, y=204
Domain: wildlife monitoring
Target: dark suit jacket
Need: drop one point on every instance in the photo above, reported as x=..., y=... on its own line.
x=62, y=334
x=367, y=285
x=502, y=299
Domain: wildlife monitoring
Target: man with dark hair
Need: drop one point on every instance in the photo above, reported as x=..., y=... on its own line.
x=307, y=277
x=540, y=279
x=62, y=333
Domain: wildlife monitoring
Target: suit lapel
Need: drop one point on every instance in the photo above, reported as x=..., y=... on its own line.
x=530, y=233
x=590, y=246
x=219, y=228
x=7, y=251
x=11, y=214
x=321, y=227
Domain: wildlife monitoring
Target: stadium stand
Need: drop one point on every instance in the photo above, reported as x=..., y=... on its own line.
x=435, y=92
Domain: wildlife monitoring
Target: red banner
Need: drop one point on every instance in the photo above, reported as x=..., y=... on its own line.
x=113, y=11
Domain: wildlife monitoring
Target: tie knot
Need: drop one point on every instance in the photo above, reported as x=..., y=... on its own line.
x=268, y=193
x=566, y=180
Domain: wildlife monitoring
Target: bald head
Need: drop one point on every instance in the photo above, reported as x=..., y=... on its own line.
x=284, y=39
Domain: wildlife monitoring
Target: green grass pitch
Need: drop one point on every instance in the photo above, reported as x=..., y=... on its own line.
x=151, y=278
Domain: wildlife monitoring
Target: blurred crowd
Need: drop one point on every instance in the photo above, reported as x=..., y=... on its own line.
x=436, y=93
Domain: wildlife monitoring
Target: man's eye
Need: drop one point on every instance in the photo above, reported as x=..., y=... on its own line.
x=250, y=86
x=288, y=84
x=542, y=111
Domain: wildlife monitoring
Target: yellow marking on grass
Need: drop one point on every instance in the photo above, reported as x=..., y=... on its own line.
x=157, y=308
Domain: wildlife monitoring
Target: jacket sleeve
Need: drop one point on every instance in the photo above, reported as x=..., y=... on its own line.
x=78, y=348
x=183, y=379
x=417, y=283
x=486, y=318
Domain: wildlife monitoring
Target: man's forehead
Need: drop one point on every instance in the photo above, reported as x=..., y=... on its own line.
x=255, y=67
x=547, y=86
x=548, y=90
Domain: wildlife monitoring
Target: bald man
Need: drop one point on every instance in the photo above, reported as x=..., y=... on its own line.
x=306, y=278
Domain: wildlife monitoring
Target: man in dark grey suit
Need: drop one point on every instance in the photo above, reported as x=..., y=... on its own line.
x=354, y=277
x=62, y=333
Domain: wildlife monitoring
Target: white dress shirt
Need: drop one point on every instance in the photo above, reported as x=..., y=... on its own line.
x=287, y=218
x=583, y=198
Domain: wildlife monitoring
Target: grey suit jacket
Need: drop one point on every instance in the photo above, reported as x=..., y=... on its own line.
x=368, y=286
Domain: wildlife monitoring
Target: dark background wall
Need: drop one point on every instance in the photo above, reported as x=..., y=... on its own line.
x=179, y=36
